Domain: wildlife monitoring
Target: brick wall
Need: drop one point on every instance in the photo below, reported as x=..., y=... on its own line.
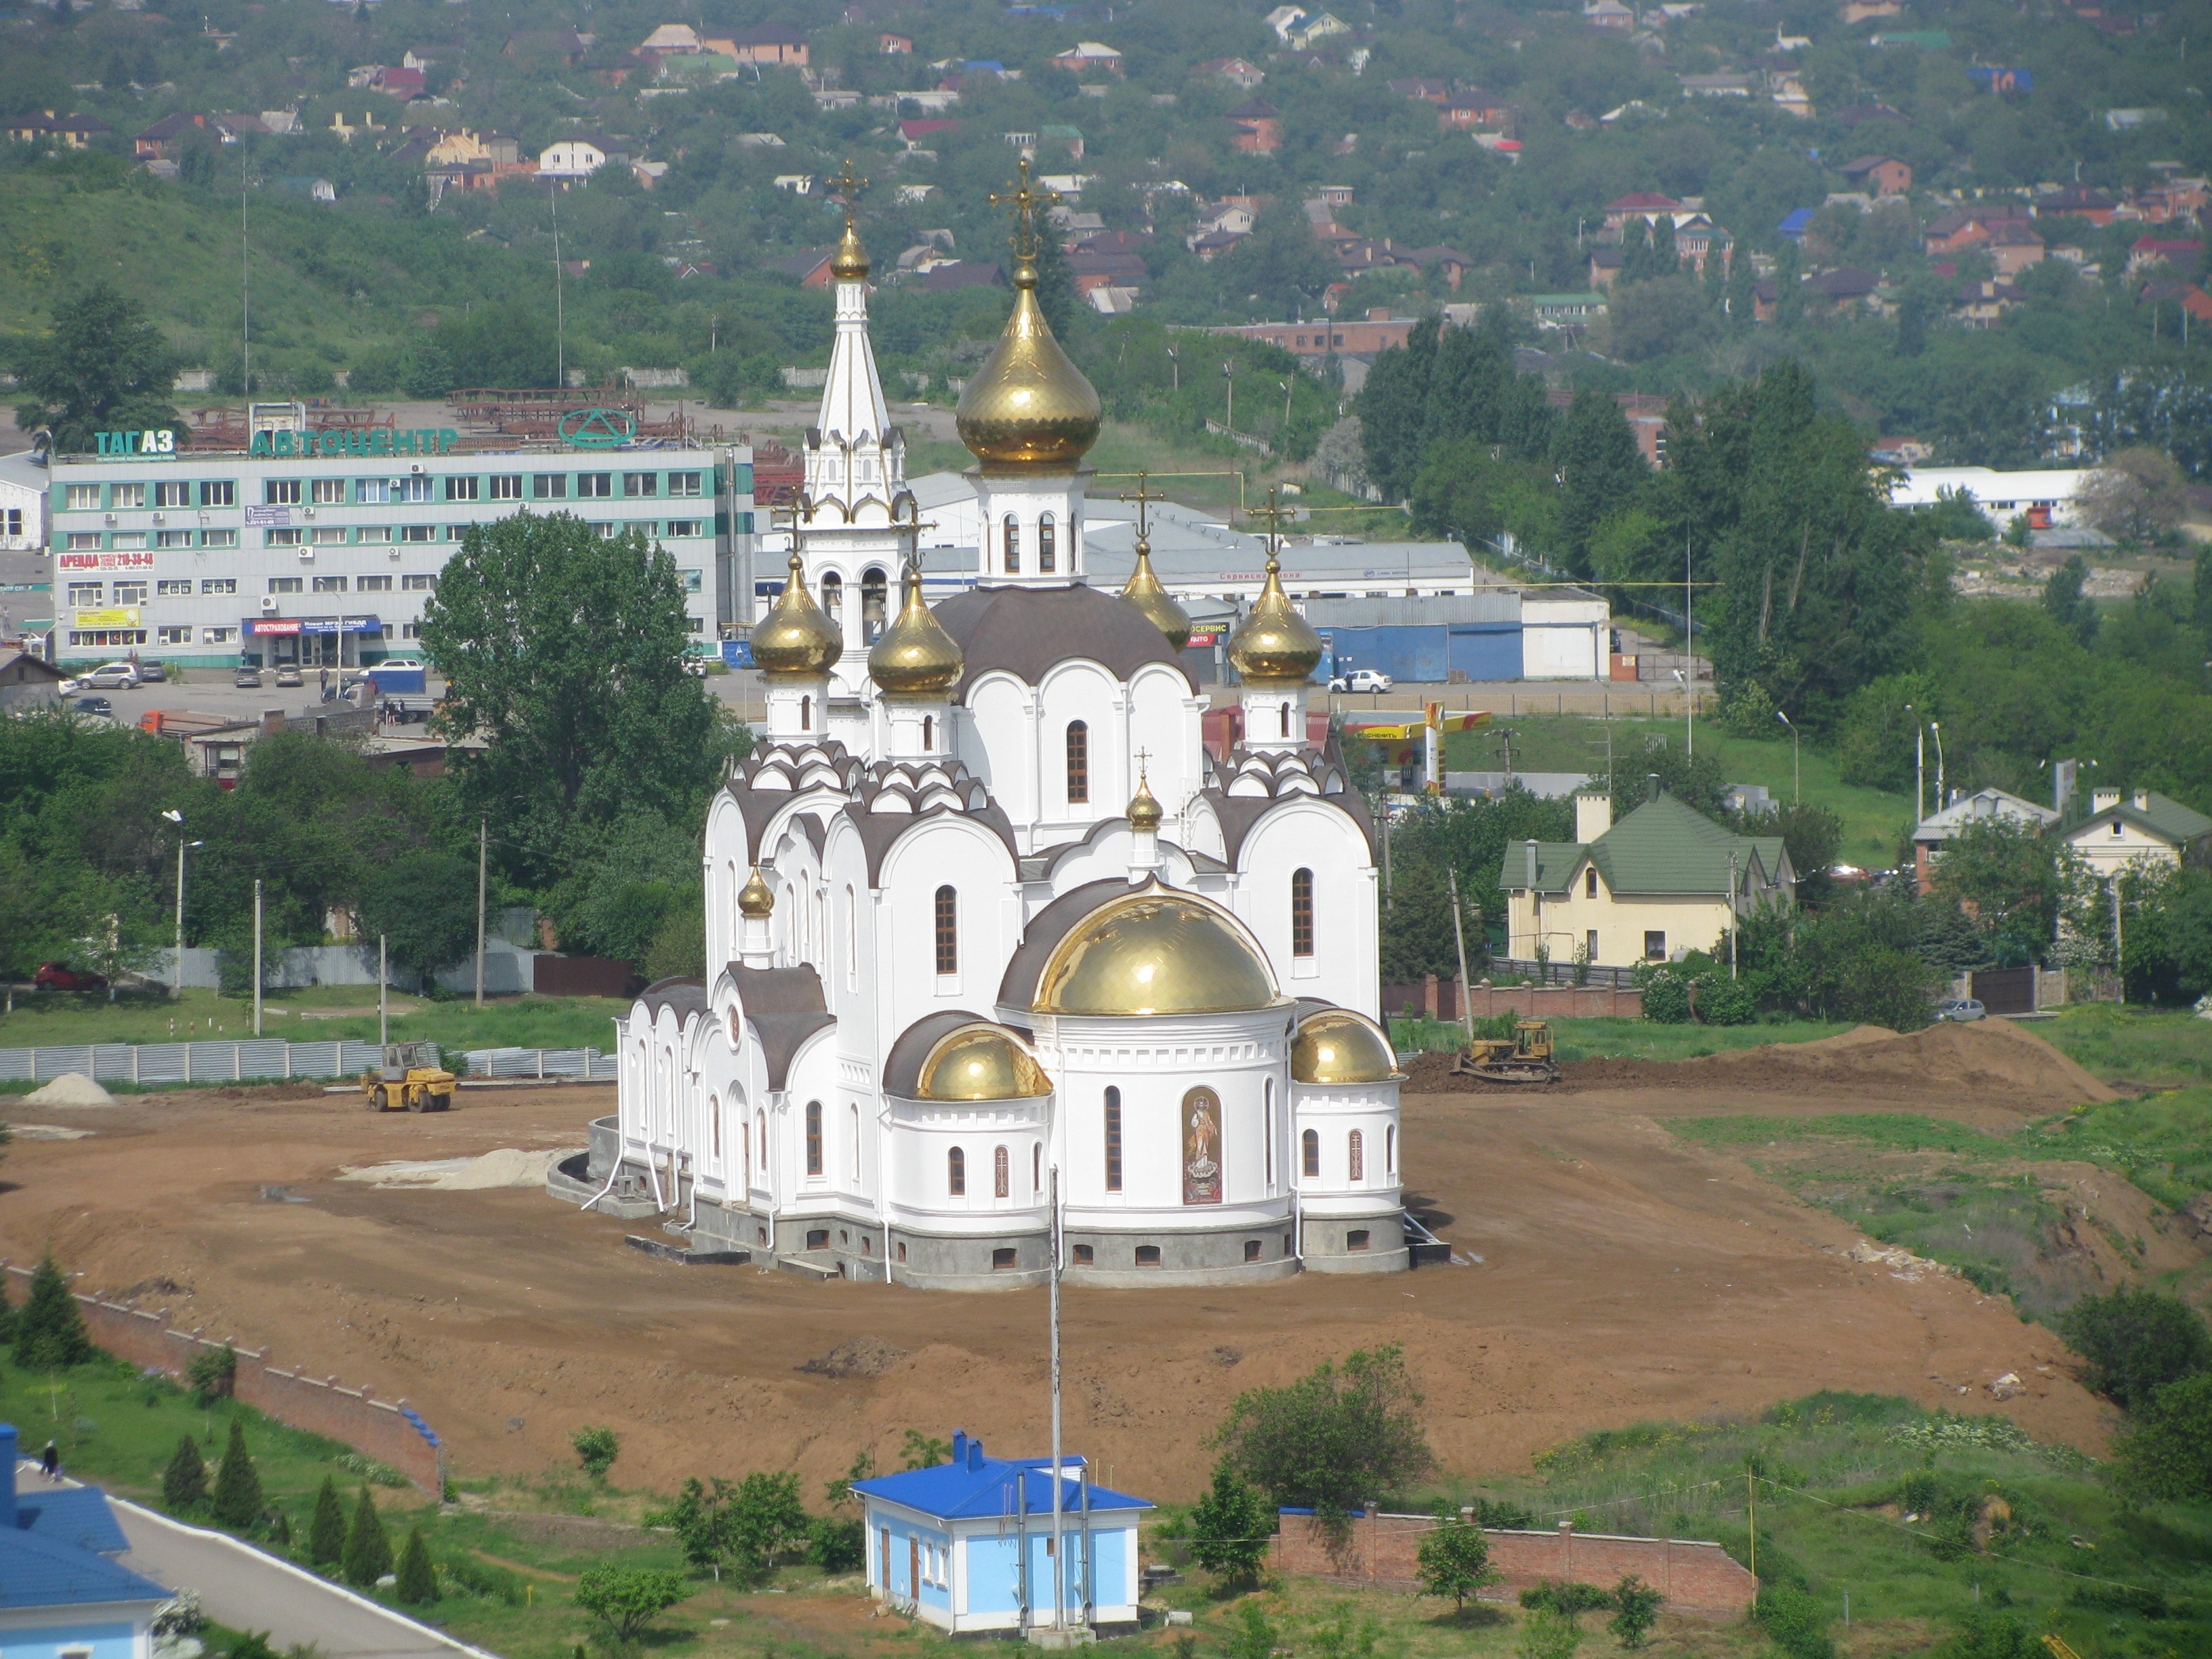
x=388, y=1432
x=1439, y=997
x=1382, y=1549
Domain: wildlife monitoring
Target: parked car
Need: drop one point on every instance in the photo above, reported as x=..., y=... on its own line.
x=695, y=666
x=247, y=677
x=153, y=671
x=1361, y=679
x=112, y=676
x=1960, y=1009
x=58, y=976
x=100, y=706
x=288, y=675
x=401, y=666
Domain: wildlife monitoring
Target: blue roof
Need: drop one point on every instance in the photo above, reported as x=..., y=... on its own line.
x=45, y=1572
x=71, y=1515
x=977, y=1487
x=1794, y=225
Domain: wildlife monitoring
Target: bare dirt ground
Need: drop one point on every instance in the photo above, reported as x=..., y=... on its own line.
x=1622, y=1275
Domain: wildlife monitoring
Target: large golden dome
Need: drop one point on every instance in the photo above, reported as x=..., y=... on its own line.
x=1143, y=590
x=1028, y=408
x=915, y=657
x=1338, y=1046
x=1273, y=644
x=796, y=640
x=1155, y=952
x=982, y=1062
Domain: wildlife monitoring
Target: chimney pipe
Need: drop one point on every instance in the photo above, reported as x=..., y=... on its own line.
x=1532, y=866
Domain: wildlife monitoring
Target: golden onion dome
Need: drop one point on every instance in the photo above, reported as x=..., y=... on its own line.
x=1338, y=1046
x=1275, y=645
x=796, y=640
x=915, y=656
x=849, y=263
x=982, y=1062
x=1155, y=952
x=1028, y=408
x=1143, y=590
x=1144, y=807
x=755, y=898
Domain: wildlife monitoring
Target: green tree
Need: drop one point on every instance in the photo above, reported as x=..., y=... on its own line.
x=425, y=908
x=367, y=1555
x=626, y=1600
x=2063, y=600
x=50, y=1331
x=1334, y=1439
x=2014, y=877
x=2167, y=1453
x=1600, y=470
x=565, y=649
x=103, y=367
x=837, y=1543
x=1454, y=1558
x=418, y=1579
x=1230, y=1526
x=700, y=1518
x=922, y=1451
x=766, y=1520
x=1636, y=1610
x=1417, y=925
x=2134, y=1342
x=185, y=1482
x=1548, y=1634
x=326, y=1531
x=597, y=1447
x=237, y=1500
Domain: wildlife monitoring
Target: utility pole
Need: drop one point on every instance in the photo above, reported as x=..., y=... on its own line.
x=256, y=955
x=1459, y=939
x=2119, y=956
x=383, y=995
x=1689, y=651
x=1796, y=777
x=1059, y=1542
x=1919, y=766
x=1936, y=726
x=481, y=842
x=1735, y=916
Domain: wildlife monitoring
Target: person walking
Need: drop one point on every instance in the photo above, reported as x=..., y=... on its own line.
x=50, y=1462
x=324, y=680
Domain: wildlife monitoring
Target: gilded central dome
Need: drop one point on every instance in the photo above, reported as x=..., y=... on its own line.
x=1029, y=409
x=1143, y=590
x=916, y=657
x=982, y=1062
x=1275, y=645
x=1338, y=1046
x=796, y=638
x=1155, y=952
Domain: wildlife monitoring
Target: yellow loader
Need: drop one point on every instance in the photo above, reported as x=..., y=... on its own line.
x=412, y=1077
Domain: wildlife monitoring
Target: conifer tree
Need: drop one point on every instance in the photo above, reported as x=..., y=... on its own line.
x=237, y=1484
x=368, y=1548
x=49, y=1330
x=326, y=1533
x=184, y=1483
x=418, y=1582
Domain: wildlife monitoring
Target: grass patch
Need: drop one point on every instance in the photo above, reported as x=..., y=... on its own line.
x=1897, y=1131
x=1626, y=1039
x=2133, y=1045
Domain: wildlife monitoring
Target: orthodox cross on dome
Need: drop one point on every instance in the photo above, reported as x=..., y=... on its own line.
x=1025, y=200
x=1143, y=498
x=846, y=187
x=1275, y=513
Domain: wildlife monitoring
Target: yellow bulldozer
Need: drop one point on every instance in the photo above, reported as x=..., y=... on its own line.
x=412, y=1078
x=1524, y=1057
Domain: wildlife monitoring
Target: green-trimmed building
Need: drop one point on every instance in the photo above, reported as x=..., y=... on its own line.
x=1665, y=880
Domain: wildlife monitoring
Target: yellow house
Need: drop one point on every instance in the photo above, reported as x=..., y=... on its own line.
x=2144, y=828
x=1663, y=881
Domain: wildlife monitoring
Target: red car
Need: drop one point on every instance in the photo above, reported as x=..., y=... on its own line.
x=54, y=977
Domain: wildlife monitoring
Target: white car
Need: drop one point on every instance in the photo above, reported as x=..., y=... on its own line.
x=113, y=676
x=1361, y=679
x=401, y=666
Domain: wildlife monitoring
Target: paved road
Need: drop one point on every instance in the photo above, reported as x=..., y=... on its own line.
x=243, y=1588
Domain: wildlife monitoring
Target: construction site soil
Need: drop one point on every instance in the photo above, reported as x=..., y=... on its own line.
x=1605, y=1271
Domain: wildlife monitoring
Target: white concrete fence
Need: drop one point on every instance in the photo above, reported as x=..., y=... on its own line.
x=261, y=1060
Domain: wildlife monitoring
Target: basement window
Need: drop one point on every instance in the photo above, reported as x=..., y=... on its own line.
x=818, y=1239
x=1148, y=1256
x=1001, y=1259
x=1251, y=1249
x=1083, y=1255
x=1356, y=1239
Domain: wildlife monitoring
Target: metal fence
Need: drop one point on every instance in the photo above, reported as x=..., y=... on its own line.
x=1511, y=970
x=261, y=1059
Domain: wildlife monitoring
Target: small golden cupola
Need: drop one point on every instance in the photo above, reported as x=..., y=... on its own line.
x=755, y=898
x=1144, y=589
x=915, y=657
x=1028, y=408
x=1144, y=812
x=1274, y=645
x=796, y=640
x=849, y=263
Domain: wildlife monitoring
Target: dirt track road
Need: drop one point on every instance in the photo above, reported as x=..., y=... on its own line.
x=1623, y=1275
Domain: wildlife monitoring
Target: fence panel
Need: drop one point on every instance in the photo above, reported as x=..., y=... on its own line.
x=583, y=1065
x=249, y=1060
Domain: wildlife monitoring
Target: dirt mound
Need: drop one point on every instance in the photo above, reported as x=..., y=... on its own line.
x=1992, y=1063
x=70, y=1089
x=859, y=1356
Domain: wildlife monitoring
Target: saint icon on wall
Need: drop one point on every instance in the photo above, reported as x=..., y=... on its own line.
x=1201, y=1147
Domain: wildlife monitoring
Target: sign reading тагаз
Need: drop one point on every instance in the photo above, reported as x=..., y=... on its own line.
x=373, y=441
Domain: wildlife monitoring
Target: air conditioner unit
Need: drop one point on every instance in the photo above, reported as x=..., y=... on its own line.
x=417, y=468
x=110, y=518
x=271, y=604
x=307, y=512
x=306, y=553
x=160, y=518
x=392, y=552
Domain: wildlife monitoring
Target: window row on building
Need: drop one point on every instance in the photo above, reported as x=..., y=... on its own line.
x=135, y=495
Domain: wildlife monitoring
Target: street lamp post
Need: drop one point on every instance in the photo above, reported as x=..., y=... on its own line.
x=1229, y=421
x=1174, y=368
x=1941, y=800
x=1796, y=778
x=177, y=966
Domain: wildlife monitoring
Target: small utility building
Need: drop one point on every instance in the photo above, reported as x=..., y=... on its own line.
x=969, y=1545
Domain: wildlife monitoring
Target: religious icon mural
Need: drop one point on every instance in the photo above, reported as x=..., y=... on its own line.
x=1201, y=1147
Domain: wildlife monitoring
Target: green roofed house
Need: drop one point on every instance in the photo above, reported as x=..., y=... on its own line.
x=1665, y=880
x=2141, y=828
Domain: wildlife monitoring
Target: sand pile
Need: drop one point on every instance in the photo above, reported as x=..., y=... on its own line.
x=507, y=1166
x=70, y=1089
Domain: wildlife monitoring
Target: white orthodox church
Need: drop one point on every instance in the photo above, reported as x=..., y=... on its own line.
x=982, y=906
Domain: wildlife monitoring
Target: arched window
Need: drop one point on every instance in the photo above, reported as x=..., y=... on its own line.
x=736, y=1036
x=1287, y=720
x=714, y=1124
x=1267, y=1126
x=1078, y=762
x=1047, y=551
x=1113, y=1140
x=948, y=931
x=955, y=1173
x=745, y=1145
x=833, y=594
x=814, y=1137
x=1590, y=882
x=856, y=1114
x=1356, y=1156
x=1309, y=1148
x=929, y=731
x=1302, y=912
x=1002, y=1180
x=873, y=592
x=1036, y=1168
x=806, y=713
x=1390, y=1150
x=1013, y=534
x=852, y=937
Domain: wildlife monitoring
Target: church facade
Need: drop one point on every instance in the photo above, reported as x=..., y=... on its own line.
x=982, y=907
